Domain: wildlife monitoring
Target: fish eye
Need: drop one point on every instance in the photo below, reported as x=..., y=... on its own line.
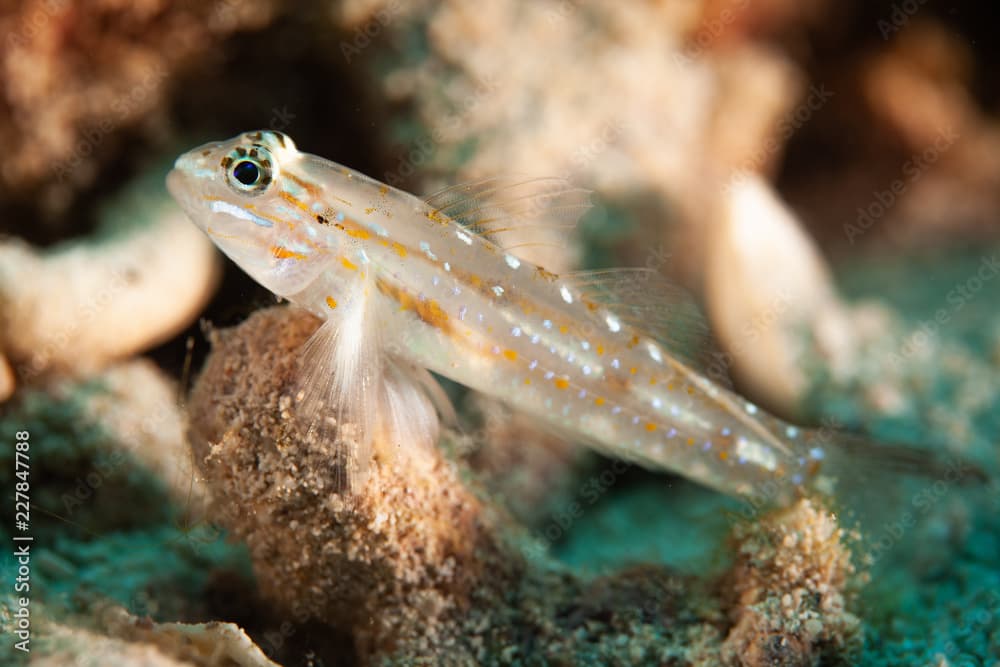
x=246, y=172
x=249, y=171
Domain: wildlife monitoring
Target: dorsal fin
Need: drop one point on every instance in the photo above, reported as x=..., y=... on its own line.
x=514, y=211
x=645, y=300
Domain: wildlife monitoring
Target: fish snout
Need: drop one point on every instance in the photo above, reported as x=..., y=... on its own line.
x=193, y=170
x=203, y=158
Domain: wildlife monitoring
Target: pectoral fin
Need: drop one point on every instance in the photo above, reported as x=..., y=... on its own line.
x=352, y=393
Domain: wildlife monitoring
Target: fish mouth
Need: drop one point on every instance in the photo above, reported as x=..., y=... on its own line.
x=177, y=184
x=199, y=162
x=191, y=170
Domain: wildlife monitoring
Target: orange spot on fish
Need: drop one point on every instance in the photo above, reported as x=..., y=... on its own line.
x=358, y=233
x=690, y=441
x=281, y=252
x=723, y=456
x=330, y=301
x=370, y=210
x=563, y=329
x=510, y=355
x=650, y=426
x=633, y=370
x=600, y=350
x=305, y=185
x=293, y=201
x=429, y=310
x=348, y=264
x=562, y=383
x=527, y=380
x=399, y=248
x=599, y=400
x=432, y=313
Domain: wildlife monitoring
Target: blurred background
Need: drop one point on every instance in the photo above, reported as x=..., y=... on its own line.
x=823, y=176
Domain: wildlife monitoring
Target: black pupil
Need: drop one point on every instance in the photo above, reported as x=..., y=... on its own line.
x=246, y=172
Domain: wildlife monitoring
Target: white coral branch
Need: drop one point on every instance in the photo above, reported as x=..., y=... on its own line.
x=82, y=305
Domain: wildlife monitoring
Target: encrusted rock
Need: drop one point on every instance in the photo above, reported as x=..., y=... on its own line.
x=398, y=562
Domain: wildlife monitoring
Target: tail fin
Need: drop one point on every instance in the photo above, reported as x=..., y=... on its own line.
x=870, y=478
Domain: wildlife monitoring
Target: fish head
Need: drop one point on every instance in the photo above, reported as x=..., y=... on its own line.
x=245, y=195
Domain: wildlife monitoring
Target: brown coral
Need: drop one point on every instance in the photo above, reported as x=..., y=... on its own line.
x=70, y=84
x=408, y=553
x=788, y=582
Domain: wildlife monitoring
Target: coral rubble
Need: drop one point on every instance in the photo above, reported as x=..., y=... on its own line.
x=789, y=583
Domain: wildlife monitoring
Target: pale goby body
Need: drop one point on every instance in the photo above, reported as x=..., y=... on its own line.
x=408, y=285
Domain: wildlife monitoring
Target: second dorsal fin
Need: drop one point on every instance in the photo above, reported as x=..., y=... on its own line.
x=645, y=300
x=514, y=211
